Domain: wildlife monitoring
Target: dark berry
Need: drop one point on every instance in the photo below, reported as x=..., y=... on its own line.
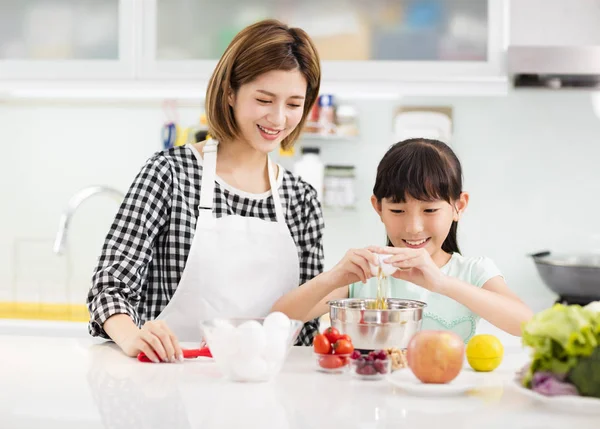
x=355, y=354
x=382, y=355
x=380, y=366
x=367, y=370
x=370, y=358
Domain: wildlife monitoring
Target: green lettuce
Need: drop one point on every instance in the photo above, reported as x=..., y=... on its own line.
x=559, y=336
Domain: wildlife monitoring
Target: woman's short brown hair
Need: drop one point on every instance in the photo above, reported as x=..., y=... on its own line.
x=259, y=48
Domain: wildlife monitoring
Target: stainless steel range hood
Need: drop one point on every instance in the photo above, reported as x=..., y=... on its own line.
x=554, y=67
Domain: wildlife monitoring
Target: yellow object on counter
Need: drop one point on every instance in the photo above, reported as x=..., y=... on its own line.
x=484, y=352
x=286, y=152
x=44, y=311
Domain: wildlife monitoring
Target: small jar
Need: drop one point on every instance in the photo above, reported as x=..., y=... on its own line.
x=339, y=187
x=347, y=120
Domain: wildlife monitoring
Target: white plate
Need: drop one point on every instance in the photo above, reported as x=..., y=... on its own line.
x=562, y=403
x=405, y=379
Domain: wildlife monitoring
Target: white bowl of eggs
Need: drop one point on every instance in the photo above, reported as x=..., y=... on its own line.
x=251, y=349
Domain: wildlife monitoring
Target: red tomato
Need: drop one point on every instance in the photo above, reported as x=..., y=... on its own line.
x=332, y=362
x=322, y=345
x=332, y=334
x=343, y=347
x=345, y=337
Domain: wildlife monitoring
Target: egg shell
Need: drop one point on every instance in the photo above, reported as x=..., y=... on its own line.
x=249, y=369
x=387, y=269
x=251, y=339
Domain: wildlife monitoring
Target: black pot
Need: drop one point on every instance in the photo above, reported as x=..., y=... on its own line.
x=570, y=275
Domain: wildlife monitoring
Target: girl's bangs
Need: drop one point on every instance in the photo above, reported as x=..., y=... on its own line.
x=424, y=175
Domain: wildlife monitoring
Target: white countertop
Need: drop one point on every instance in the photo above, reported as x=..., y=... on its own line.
x=51, y=382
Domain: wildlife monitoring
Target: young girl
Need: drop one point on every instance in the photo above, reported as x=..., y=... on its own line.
x=418, y=196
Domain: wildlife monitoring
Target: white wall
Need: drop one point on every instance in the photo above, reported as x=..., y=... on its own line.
x=554, y=22
x=530, y=163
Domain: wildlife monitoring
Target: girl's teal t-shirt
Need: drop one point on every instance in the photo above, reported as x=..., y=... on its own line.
x=441, y=313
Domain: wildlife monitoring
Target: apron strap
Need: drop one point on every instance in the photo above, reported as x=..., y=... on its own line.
x=275, y=193
x=209, y=173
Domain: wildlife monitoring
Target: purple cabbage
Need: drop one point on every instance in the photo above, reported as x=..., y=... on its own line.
x=549, y=384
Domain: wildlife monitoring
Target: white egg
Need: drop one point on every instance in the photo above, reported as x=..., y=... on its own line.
x=276, y=348
x=276, y=321
x=249, y=369
x=223, y=343
x=222, y=323
x=251, y=339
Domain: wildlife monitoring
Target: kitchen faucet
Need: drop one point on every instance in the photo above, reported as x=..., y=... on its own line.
x=74, y=203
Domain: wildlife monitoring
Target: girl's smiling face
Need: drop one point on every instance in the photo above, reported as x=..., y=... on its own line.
x=420, y=224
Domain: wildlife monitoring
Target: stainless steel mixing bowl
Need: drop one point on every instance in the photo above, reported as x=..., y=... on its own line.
x=377, y=329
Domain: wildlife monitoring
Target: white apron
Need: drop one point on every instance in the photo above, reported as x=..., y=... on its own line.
x=237, y=266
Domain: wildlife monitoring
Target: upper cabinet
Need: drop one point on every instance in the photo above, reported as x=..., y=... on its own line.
x=365, y=45
x=62, y=39
x=389, y=40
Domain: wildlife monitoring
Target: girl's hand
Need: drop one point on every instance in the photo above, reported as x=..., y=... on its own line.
x=414, y=266
x=157, y=342
x=354, y=267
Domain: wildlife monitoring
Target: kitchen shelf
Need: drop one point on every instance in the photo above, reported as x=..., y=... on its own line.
x=327, y=137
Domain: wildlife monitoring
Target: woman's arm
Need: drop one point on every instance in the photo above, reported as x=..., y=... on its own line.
x=129, y=246
x=117, y=280
x=494, y=302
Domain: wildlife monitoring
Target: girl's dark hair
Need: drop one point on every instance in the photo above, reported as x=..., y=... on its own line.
x=424, y=169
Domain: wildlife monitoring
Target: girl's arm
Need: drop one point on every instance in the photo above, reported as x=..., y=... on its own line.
x=310, y=299
x=494, y=302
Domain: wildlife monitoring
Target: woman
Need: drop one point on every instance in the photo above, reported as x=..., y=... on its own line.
x=216, y=229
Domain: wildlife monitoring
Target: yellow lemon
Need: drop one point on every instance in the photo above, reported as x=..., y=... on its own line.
x=484, y=352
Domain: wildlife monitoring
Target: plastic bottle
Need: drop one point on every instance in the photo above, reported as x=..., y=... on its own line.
x=327, y=114
x=311, y=169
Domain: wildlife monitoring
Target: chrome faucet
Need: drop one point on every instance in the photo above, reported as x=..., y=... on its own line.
x=74, y=203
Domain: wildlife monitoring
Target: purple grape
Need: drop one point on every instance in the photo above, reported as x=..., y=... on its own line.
x=355, y=354
x=370, y=358
x=382, y=355
x=380, y=366
x=367, y=370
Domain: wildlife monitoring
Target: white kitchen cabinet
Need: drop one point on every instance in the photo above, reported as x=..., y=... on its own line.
x=67, y=39
x=360, y=42
x=170, y=47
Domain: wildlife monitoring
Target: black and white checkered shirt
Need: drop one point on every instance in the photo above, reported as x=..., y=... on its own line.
x=145, y=251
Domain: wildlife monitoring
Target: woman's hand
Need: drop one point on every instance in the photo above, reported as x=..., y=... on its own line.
x=156, y=340
x=414, y=266
x=354, y=267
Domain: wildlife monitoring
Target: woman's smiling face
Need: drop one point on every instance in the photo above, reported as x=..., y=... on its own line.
x=269, y=108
